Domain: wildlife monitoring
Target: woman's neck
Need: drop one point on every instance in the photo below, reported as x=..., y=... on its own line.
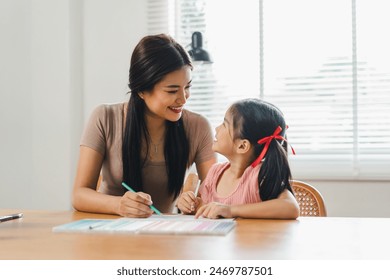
x=156, y=128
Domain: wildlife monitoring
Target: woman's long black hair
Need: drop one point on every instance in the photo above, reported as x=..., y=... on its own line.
x=153, y=58
x=254, y=119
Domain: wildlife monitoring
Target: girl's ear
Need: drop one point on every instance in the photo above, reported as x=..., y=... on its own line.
x=243, y=146
x=141, y=95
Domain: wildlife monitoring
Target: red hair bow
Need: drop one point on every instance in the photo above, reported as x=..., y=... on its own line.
x=267, y=140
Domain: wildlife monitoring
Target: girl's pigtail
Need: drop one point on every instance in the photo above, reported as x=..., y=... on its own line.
x=275, y=174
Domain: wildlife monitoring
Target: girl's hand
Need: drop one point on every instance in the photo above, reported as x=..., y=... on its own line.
x=214, y=210
x=135, y=205
x=188, y=203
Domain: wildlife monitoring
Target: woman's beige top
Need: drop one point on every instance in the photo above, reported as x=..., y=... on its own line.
x=104, y=134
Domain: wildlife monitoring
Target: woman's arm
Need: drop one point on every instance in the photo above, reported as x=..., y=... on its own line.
x=283, y=207
x=204, y=167
x=86, y=198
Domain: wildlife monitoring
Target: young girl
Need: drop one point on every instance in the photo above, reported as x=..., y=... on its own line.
x=254, y=183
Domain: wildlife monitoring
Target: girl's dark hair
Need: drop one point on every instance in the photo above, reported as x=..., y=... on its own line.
x=153, y=58
x=254, y=119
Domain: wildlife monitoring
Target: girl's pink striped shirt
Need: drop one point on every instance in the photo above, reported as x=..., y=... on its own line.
x=247, y=190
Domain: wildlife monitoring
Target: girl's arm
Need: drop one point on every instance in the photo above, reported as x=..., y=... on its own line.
x=187, y=202
x=283, y=207
x=86, y=198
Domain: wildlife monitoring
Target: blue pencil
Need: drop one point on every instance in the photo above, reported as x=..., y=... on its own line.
x=151, y=206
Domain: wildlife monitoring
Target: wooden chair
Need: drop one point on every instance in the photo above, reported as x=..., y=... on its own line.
x=310, y=200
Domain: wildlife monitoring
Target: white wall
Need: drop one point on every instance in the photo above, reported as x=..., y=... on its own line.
x=111, y=31
x=355, y=198
x=15, y=105
x=35, y=91
x=58, y=60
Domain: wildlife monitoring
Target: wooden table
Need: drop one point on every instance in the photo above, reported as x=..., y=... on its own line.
x=306, y=238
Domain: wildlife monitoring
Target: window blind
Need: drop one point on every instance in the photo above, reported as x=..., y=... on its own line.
x=324, y=63
x=334, y=94
x=235, y=71
x=161, y=16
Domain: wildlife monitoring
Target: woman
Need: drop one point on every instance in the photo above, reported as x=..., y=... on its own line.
x=148, y=142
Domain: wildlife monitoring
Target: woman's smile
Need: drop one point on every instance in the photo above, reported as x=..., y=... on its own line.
x=176, y=110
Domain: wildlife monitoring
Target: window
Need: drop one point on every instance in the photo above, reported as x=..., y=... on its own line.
x=324, y=63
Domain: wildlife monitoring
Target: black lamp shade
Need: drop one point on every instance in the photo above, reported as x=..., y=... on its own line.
x=197, y=53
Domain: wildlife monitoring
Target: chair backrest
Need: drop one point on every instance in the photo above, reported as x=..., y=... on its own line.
x=310, y=200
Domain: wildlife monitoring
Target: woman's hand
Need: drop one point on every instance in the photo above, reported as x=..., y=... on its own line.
x=135, y=205
x=214, y=210
x=188, y=203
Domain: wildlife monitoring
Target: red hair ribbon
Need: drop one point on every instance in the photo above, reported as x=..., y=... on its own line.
x=267, y=140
